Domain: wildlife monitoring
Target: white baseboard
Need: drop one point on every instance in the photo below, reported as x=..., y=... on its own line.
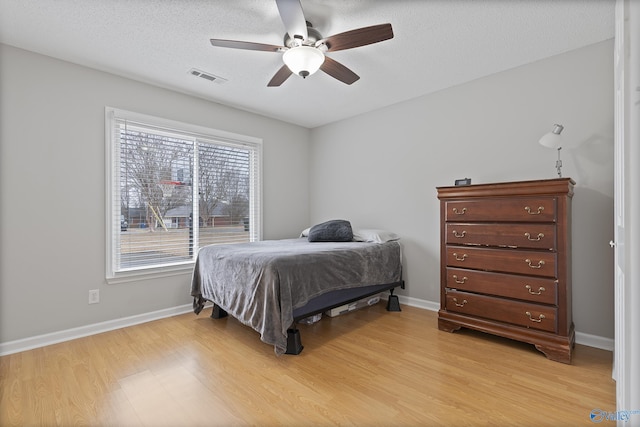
x=581, y=337
x=419, y=303
x=24, y=344
x=594, y=341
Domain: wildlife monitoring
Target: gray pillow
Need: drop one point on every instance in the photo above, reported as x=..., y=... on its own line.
x=336, y=230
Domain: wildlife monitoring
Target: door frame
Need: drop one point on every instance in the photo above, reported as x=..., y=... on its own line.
x=627, y=207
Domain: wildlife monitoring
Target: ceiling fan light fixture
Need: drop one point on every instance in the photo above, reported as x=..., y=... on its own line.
x=303, y=60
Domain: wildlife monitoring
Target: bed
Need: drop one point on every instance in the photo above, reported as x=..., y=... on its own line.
x=271, y=285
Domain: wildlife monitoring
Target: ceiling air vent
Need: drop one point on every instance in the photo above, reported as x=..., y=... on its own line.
x=207, y=76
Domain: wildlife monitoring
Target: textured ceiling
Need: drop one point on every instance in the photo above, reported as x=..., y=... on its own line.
x=437, y=44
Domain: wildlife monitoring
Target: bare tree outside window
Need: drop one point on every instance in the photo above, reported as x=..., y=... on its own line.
x=223, y=183
x=149, y=160
x=158, y=174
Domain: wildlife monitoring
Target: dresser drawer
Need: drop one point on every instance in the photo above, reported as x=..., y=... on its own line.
x=530, y=236
x=529, y=315
x=525, y=209
x=535, y=289
x=533, y=263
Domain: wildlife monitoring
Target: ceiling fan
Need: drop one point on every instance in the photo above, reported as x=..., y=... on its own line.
x=304, y=47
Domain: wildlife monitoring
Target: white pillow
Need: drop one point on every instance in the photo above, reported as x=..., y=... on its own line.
x=373, y=235
x=305, y=232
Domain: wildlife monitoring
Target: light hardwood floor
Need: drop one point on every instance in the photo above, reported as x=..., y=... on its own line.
x=366, y=368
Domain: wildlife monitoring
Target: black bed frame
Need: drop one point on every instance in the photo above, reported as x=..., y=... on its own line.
x=326, y=302
x=335, y=299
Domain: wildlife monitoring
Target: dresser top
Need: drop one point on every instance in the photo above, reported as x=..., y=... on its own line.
x=524, y=188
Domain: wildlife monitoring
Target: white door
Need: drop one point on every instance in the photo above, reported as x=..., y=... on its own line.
x=618, y=242
x=626, y=242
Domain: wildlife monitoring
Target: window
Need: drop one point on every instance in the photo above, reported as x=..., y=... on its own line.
x=173, y=188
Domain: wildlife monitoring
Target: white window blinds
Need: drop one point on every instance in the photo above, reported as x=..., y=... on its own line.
x=173, y=189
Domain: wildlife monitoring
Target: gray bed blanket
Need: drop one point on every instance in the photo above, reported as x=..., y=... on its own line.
x=261, y=283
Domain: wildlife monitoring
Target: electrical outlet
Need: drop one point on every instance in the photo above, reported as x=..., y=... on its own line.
x=94, y=296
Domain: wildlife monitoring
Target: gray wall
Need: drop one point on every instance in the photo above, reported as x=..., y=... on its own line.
x=380, y=169
x=377, y=170
x=52, y=189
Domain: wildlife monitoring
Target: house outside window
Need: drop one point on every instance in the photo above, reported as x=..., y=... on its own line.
x=173, y=188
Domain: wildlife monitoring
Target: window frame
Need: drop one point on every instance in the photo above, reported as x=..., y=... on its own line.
x=112, y=187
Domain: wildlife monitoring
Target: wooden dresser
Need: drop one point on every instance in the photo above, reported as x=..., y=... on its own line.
x=505, y=262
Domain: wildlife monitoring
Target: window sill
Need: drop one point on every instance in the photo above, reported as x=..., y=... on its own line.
x=152, y=273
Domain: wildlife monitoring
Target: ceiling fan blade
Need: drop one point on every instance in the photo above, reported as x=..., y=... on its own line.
x=236, y=44
x=281, y=75
x=359, y=37
x=293, y=18
x=338, y=71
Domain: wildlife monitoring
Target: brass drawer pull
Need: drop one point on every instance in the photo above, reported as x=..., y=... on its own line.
x=455, y=211
x=528, y=261
x=528, y=236
x=539, y=292
x=460, y=282
x=464, y=301
x=455, y=255
x=459, y=235
x=538, y=320
x=528, y=209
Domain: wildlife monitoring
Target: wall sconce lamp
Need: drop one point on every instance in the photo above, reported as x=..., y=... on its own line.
x=554, y=140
